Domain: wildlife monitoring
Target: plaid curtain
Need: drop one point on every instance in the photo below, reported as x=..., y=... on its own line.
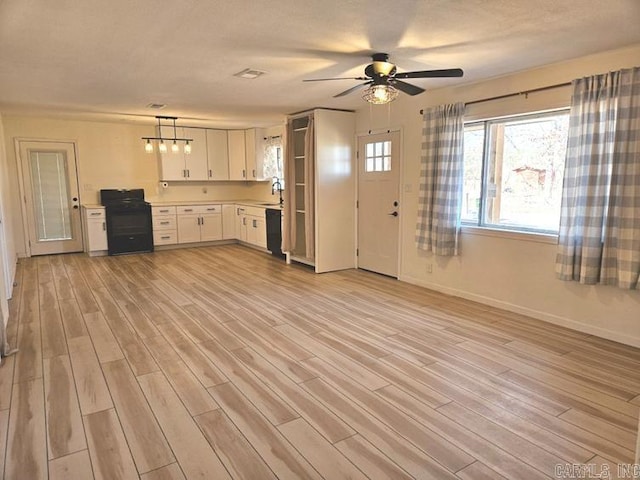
x=599, y=239
x=441, y=177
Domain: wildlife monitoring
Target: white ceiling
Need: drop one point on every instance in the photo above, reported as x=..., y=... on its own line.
x=116, y=56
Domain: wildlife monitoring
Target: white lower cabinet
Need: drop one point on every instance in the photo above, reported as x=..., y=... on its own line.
x=164, y=225
x=206, y=223
x=256, y=231
x=229, y=222
x=199, y=223
x=96, y=230
x=253, y=226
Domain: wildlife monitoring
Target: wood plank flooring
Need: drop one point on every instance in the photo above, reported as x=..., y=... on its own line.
x=222, y=362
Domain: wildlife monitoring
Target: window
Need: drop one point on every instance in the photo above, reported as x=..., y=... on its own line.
x=513, y=169
x=378, y=157
x=272, y=163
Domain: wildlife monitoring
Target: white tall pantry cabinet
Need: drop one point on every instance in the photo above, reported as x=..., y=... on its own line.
x=332, y=211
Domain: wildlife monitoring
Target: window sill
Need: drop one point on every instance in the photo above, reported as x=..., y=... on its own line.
x=548, y=238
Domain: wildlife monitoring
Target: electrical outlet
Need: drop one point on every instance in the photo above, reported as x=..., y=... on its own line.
x=429, y=268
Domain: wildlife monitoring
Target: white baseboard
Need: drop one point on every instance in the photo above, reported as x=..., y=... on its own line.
x=626, y=339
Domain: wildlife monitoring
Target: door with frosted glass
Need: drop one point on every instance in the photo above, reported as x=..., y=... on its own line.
x=51, y=199
x=378, y=199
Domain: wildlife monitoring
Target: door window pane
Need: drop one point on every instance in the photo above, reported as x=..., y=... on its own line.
x=50, y=195
x=378, y=157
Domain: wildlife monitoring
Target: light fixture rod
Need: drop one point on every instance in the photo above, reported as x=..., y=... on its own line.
x=168, y=138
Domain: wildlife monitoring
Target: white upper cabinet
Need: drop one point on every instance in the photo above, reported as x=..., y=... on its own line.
x=195, y=163
x=181, y=166
x=217, y=155
x=250, y=153
x=237, y=155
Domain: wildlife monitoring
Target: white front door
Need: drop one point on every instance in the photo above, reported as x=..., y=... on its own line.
x=378, y=202
x=50, y=184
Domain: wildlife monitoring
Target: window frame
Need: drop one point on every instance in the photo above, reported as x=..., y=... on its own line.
x=480, y=226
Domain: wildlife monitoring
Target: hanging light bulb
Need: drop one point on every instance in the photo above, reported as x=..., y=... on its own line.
x=164, y=142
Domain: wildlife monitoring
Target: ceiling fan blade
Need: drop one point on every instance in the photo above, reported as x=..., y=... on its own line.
x=406, y=87
x=325, y=79
x=449, y=72
x=352, y=89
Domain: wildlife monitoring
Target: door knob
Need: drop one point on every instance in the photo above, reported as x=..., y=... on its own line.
x=394, y=214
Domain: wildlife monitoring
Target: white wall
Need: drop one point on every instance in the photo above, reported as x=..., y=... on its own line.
x=511, y=273
x=8, y=258
x=110, y=155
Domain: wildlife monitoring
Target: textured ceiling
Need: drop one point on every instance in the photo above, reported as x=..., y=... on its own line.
x=117, y=56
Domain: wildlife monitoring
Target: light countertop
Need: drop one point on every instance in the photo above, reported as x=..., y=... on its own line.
x=248, y=203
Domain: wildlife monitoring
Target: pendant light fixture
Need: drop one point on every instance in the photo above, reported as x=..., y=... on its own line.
x=162, y=146
x=380, y=94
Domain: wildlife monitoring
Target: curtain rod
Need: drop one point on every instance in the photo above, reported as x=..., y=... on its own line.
x=507, y=95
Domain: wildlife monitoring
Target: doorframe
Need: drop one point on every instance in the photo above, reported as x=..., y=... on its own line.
x=400, y=189
x=21, y=187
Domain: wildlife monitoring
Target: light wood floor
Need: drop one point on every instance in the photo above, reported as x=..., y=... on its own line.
x=222, y=362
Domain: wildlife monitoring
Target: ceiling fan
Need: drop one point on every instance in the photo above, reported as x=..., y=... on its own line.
x=383, y=80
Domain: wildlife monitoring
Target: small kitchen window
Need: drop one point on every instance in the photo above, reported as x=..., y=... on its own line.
x=273, y=163
x=513, y=172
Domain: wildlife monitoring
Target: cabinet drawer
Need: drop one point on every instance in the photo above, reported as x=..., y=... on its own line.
x=164, y=222
x=163, y=237
x=255, y=211
x=95, y=213
x=199, y=209
x=166, y=210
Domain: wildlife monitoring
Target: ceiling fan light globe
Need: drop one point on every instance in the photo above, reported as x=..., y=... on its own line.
x=380, y=94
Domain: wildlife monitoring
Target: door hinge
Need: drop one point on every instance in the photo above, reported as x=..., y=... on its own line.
x=357, y=252
x=357, y=203
x=357, y=154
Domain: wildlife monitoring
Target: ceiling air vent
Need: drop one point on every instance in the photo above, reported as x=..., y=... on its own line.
x=157, y=106
x=249, y=73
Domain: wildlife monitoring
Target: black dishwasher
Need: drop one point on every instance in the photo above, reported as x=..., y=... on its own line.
x=274, y=231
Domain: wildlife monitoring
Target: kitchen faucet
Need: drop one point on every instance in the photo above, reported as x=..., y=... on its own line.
x=276, y=185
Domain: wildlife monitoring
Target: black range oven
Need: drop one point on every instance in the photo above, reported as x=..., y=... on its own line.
x=129, y=224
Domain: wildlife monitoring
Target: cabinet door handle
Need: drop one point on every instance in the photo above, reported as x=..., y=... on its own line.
x=255, y=224
x=104, y=226
x=201, y=220
x=164, y=223
x=254, y=173
x=165, y=237
x=188, y=209
x=244, y=174
x=244, y=220
x=96, y=213
x=164, y=211
x=184, y=173
x=210, y=173
x=213, y=209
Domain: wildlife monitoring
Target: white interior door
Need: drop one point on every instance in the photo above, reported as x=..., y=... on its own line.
x=50, y=183
x=378, y=202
